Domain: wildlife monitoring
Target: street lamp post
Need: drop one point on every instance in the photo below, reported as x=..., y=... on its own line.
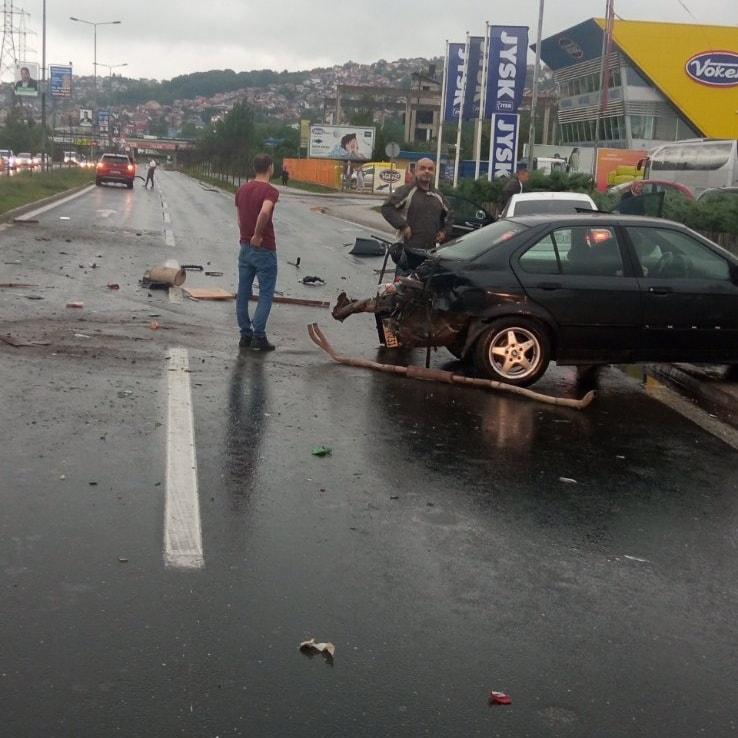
x=94, y=25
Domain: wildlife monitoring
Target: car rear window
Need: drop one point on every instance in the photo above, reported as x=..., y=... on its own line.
x=116, y=159
x=480, y=241
x=546, y=207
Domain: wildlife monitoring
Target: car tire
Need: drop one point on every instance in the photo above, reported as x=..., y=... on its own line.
x=98, y=182
x=513, y=350
x=129, y=185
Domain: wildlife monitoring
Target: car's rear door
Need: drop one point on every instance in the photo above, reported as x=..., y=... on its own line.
x=690, y=300
x=583, y=277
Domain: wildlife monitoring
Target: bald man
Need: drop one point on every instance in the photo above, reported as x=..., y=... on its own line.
x=420, y=214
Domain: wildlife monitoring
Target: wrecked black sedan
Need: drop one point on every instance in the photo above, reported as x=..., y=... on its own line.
x=577, y=289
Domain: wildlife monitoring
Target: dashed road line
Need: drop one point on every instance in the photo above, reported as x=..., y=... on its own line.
x=182, y=527
x=169, y=237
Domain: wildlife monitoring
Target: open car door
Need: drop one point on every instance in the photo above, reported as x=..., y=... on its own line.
x=650, y=203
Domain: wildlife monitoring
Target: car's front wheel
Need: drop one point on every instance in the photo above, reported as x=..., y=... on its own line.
x=513, y=350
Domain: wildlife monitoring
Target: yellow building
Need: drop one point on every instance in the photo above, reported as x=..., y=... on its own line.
x=667, y=81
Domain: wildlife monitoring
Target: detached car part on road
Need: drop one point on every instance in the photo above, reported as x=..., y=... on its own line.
x=115, y=168
x=582, y=289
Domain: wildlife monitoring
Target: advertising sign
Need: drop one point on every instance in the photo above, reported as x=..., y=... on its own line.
x=503, y=148
x=386, y=177
x=60, y=80
x=617, y=165
x=304, y=133
x=26, y=79
x=454, y=81
x=103, y=120
x=508, y=61
x=85, y=117
x=341, y=142
x=714, y=68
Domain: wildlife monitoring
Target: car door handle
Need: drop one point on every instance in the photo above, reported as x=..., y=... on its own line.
x=548, y=286
x=660, y=290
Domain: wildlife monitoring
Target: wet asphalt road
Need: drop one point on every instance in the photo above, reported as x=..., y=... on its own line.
x=437, y=546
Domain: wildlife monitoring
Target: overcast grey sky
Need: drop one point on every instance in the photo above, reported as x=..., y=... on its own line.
x=164, y=38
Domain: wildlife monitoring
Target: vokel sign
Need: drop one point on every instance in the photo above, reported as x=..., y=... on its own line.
x=714, y=68
x=503, y=151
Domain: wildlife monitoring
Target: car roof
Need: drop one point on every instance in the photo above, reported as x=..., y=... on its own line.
x=595, y=216
x=526, y=196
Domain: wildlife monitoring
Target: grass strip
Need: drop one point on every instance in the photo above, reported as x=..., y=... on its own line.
x=26, y=187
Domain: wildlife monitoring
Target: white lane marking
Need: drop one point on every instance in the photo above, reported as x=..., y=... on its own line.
x=169, y=237
x=182, y=529
x=63, y=201
x=167, y=217
x=175, y=295
x=692, y=412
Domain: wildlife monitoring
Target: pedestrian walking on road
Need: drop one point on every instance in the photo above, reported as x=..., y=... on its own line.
x=421, y=215
x=150, y=174
x=285, y=175
x=257, y=258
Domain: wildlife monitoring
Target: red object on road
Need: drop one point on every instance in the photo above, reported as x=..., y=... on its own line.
x=499, y=698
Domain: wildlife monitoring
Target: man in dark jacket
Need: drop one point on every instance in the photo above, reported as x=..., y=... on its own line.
x=516, y=185
x=420, y=214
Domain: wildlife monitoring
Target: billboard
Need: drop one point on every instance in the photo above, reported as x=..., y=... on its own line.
x=304, y=133
x=103, y=120
x=615, y=166
x=60, y=80
x=26, y=79
x=85, y=117
x=341, y=142
x=508, y=61
x=503, y=145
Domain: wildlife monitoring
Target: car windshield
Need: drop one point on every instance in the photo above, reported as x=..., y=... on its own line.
x=478, y=242
x=545, y=207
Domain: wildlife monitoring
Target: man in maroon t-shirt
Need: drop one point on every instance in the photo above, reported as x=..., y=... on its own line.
x=255, y=202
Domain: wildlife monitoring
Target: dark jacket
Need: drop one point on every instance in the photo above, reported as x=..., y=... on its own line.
x=426, y=212
x=513, y=187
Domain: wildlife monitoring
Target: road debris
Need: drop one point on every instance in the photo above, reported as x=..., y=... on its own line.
x=367, y=247
x=122, y=559
x=568, y=480
x=192, y=267
x=64, y=217
x=635, y=558
x=113, y=286
x=81, y=335
x=20, y=342
x=314, y=281
x=207, y=293
x=154, y=325
x=163, y=275
x=213, y=274
x=440, y=375
x=25, y=221
x=322, y=451
x=499, y=698
x=310, y=647
x=75, y=304
x=11, y=285
x=295, y=263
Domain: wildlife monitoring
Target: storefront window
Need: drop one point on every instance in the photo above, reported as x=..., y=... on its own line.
x=641, y=126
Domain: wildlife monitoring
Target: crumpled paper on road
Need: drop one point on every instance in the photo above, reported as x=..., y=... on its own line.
x=327, y=649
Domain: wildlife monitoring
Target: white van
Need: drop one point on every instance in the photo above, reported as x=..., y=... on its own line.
x=698, y=164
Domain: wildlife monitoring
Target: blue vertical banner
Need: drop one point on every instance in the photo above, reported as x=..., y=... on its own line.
x=473, y=96
x=503, y=148
x=454, y=82
x=508, y=57
x=60, y=80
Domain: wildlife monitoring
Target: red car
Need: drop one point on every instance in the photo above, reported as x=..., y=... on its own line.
x=115, y=168
x=649, y=186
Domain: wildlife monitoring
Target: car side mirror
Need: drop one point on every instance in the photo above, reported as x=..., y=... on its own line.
x=480, y=214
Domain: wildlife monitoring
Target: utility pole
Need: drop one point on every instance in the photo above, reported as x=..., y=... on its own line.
x=534, y=97
x=8, y=54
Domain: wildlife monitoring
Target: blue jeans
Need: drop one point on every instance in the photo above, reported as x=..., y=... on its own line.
x=262, y=265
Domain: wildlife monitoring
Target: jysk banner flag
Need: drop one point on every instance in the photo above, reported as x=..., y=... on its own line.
x=455, y=80
x=508, y=55
x=503, y=149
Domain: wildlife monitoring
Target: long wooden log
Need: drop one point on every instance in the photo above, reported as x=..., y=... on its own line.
x=441, y=375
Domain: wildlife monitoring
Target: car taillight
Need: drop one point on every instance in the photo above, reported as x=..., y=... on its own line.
x=130, y=167
x=99, y=165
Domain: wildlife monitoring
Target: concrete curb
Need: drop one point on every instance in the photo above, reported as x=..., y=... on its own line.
x=707, y=388
x=28, y=207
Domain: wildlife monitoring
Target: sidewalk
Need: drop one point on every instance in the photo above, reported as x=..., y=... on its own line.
x=711, y=387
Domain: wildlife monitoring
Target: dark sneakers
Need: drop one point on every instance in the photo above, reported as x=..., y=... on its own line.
x=260, y=343
x=245, y=341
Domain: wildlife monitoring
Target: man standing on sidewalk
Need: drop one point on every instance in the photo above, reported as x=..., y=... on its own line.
x=257, y=258
x=421, y=216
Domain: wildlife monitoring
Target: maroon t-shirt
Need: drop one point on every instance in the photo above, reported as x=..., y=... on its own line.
x=249, y=199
